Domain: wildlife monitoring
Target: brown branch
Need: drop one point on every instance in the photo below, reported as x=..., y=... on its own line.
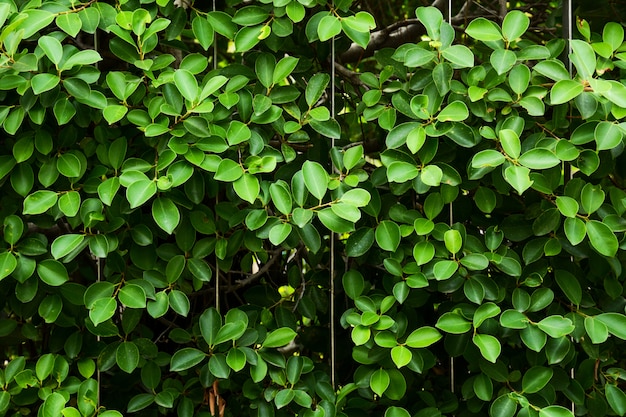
x=394, y=35
x=266, y=266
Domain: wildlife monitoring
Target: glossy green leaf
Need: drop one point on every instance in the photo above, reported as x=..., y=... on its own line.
x=64, y=245
x=536, y=378
x=423, y=337
x=186, y=358
x=279, y=337
x=488, y=345
x=315, y=178
x=379, y=381
x=127, y=356
x=564, y=91
x=483, y=30
x=514, y=25
x=602, y=238
x=555, y=411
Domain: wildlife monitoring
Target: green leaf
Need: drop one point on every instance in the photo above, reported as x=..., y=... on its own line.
x=247, y=187
x=564, y=91
x=459, y=55
x=279, y=233
x=279, y=337
x=295, y=11
x=179, y=302
x=53, y=405
x=13, y=229
x=127, y=356
x=514, y=25
x=536, y=378
x=388, y=235
x=315, y=178
x=483, y=30
x=518, y=177
x=484, y=312
x=555, y=411
x=236, y=359
x=488, y=345
x=315, y=88
x=132, y=296
x=607, y=135
x=556, y=326
x=394, y=411
x=186, y=358
x=575, y=230
x=248, y=37
x=584, y=58
x=114, y=113
x=70, y=23
x=329, y=128
x=333, y=222
x=401, y=356
x=52, y=272
x=64, y=245
x=567, y=206
x=503, y=406
x=8, y=263
x=328, y=27
x=602, y=238
x=509, y=140
x=186, y=84
x=399, y=171
x=63, y=110
x=616, y=398
x=379, y=381
x=140, y=192
x=203, y=31
x=210, y=323
x=199, y=269
x=353, y=284
x=615, y=322
x=165, y=214
x=502, y=60
x=44, y=82
x=360, y=242
x=84, y=57
x=39, y=202
x=597, y=331
x=423, y=337
x=52, y=48
x=69, y=203
x=432, y=19
x=108, y=189
x=453, y=323
x=102, y=309
x=284, y=67
x=454, y=112
x=539, y=159
x=453, y=240
x=229, y=171
x=488, y=158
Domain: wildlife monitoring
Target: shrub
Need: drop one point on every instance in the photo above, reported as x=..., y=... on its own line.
x=206, y=214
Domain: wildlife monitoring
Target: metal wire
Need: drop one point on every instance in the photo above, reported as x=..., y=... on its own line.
x=332, y=235
x=568, y=23
x=451, y=223
x=214, y=42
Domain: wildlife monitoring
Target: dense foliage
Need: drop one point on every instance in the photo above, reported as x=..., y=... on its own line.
x=199, y=220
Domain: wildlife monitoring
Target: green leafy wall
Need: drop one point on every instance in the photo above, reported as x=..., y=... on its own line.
x=221, y=211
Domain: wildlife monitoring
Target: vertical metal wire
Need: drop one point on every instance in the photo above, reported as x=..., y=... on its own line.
x=217, y=263
x=214, y=42
x=98, y=379
x=568, y=33
x=332, y=235
x=451, y=221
